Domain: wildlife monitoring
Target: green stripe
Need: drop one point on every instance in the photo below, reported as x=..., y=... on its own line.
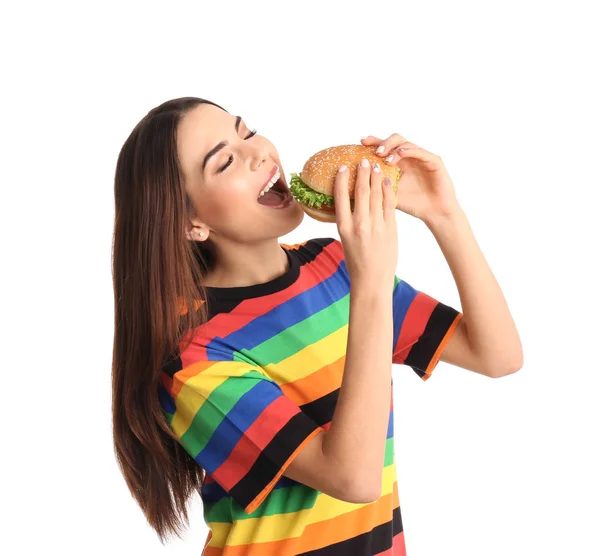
x=280, y=501
x=213, y=411
x=311, y=330
x=389, y=452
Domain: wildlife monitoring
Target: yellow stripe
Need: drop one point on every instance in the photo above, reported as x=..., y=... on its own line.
x=284, y=526
x=198, y=387
x=311, y=358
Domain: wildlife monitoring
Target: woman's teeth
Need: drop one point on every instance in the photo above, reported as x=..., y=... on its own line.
x=271, y=183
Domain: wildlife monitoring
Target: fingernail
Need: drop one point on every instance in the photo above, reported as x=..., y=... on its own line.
x=376, y=168
x=387, y=182
x=342, y=168
x=363, y=138
x=380, y=149
x=389, y=158
x=364, y=163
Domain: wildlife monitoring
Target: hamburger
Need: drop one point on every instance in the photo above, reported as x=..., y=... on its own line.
x=313, y=188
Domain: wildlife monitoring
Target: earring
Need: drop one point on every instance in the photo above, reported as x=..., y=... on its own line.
x=201, y=234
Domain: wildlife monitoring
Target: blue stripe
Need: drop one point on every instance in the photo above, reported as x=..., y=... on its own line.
x=166, y=401
x=403, y=296
x=233, y=426
x=286, y=315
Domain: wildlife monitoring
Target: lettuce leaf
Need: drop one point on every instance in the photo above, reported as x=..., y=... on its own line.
x=304, y=194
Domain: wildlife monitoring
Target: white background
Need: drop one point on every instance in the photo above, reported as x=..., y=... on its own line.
x=505, y=93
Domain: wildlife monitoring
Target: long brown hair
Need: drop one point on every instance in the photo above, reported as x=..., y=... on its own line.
x=157, y=275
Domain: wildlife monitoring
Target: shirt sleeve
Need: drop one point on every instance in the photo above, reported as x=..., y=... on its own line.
x=239, y=426
x=422, y=328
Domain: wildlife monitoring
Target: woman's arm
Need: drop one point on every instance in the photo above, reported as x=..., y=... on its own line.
x=486, y=340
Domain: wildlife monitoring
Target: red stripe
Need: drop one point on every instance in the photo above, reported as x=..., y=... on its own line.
x=166, y=381
x=224, y=324
x=413, y=326
x=398, y=547
x=274, y=417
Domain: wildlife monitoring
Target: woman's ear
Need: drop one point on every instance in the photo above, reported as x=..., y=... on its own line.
x=196, y=232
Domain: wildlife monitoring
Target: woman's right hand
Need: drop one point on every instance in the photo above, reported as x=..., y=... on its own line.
x=369, y=235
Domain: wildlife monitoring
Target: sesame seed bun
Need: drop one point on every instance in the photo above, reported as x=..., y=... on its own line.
x=320, y=170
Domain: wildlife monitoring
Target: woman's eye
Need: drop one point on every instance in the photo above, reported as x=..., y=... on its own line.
x=227, y=163
x=230, y=160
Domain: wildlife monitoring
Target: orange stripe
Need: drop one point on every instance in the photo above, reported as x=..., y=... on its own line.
x=295, y=246
x=223, y=325
x=438, y=351
x=183, y=308
x=265, y=491
x=316, y=385
x=324, y=533
x=186, y=373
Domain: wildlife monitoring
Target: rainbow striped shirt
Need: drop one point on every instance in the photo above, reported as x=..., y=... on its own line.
x=261, y=379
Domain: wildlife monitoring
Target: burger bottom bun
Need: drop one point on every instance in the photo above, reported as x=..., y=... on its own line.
x=321, y=215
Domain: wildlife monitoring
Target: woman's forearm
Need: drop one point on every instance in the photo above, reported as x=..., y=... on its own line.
x=490, y=327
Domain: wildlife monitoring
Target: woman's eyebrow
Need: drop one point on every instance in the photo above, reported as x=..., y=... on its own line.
x=221, y=145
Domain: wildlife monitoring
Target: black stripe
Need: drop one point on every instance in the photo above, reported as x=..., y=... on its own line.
x=377, y=540
x=225, y=300
x=321, y=410
x=216, y=306
x=424, y=349
x=173, y=365
x=308, y=252
x=272, y=458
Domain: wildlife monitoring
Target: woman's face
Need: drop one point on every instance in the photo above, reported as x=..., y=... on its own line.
x=224, y=184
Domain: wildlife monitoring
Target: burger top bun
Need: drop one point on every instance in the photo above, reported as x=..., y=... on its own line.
x=320, y=169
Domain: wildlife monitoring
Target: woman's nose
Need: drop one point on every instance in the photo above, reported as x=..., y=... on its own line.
x=258, y=159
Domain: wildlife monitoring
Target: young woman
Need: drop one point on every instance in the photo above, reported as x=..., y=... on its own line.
x=258, y=374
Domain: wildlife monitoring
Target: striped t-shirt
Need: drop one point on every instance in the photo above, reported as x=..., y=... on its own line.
x=261, y=379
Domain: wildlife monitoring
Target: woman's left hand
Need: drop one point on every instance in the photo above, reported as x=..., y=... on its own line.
x=425, y=189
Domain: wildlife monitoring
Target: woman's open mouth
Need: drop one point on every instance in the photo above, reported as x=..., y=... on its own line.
x=277, y=197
